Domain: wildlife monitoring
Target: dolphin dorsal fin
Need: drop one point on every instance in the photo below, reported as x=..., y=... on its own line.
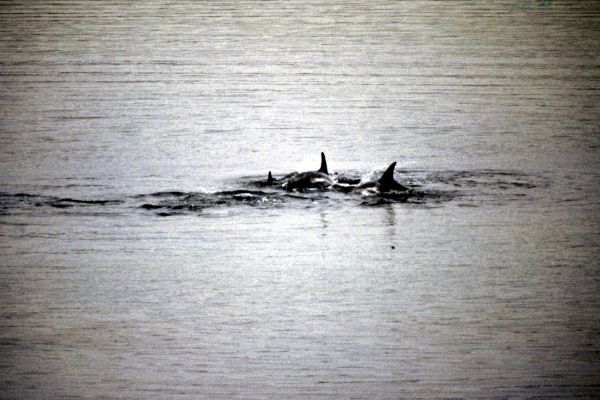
x=388, y=176
x=323, y=168
x=269, y=179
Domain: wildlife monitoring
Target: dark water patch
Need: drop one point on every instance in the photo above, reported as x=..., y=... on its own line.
x=167, y=214
x=24, y=201
x=60, y=205
x=431, y=196
x=467, y=205
x=147, y=206
x=68, y=203
x=417, y=196
x=167, y=194
x=99, y=202
x=21, y=195
x=486, y=178
x=20, y=200
x=478, y=187
x=173, y=203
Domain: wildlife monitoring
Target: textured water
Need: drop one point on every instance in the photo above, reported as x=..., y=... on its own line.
x=140, y=257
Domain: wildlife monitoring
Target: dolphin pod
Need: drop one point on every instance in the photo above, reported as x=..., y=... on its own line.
x=320, y=179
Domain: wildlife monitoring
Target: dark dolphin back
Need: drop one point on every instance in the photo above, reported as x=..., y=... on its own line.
x=323, y=168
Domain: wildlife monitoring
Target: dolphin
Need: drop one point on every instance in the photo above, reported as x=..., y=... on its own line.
x=318, y=179
x=384, y=185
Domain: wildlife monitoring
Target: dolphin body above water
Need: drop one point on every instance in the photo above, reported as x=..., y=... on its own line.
x=305, y=180
x=386, y=185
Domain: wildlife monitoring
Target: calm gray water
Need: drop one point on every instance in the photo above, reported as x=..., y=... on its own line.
x=128, y=271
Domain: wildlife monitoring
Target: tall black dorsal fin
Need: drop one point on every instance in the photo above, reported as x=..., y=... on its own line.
x=388, y=176
x=270, y=179
x=323, y=168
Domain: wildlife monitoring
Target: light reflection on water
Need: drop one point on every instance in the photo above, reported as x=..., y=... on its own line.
x=490, y=291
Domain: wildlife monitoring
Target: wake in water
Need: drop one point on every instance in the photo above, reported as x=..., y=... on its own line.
x=425, y=189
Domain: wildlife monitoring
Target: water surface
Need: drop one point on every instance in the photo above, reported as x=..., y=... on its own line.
x=131, y=265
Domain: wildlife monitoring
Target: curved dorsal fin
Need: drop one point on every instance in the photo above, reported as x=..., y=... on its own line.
x=387, y=181
x=323, y=168
x=388, y=176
